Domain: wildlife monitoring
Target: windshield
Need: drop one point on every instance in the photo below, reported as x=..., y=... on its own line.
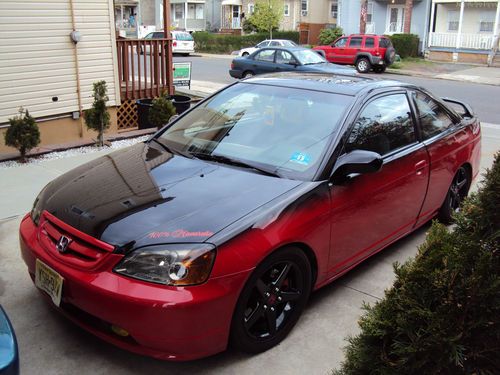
x=182, y=36
x=307, y=56
x=279, y=130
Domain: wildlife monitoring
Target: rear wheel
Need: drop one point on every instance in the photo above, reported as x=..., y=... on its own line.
x=456, y=193
x=245, y=54
x=379, y=69
x=363, y=65
x=247, y=74
x=272, y=301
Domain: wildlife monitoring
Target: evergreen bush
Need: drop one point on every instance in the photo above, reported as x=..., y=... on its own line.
x=406, y=45
x=97, y=118
x=328, y=36
x=161, y=110
x=23, y=133
x=442, y=315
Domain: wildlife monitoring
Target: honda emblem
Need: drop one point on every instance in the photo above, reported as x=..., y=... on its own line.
x=62, y=244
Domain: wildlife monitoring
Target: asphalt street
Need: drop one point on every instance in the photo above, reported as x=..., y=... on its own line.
x=480, y=97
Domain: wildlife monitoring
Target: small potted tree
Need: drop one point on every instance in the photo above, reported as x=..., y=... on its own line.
x=23, y=133
x=161, y=110
x=97, y=118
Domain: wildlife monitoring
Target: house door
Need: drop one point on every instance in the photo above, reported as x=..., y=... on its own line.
x=236, y=24
x=395, y=19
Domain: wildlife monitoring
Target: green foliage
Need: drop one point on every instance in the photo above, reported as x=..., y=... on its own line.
x=442, y=315
x=248, y=26
x=405, y=44
x=161, y=110
x=328, y=36
x=23, y=133
x=267, y=15
x=97, y=118
x=220, y=43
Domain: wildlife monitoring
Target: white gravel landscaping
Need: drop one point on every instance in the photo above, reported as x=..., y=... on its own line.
x=115, y=145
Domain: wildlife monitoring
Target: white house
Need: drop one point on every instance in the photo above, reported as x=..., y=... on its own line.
x=43, y=70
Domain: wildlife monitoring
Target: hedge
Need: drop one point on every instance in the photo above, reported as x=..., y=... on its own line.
x=442, y=315
x=220, y=43
x=406, y=45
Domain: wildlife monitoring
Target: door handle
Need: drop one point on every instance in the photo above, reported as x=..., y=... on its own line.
x=420, y=166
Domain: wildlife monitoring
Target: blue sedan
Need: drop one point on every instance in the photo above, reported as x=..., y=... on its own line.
x=281, y=59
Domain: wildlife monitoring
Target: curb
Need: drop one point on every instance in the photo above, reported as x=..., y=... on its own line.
x=450, y=78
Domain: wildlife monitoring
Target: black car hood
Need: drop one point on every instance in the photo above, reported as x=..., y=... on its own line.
x=147, y=195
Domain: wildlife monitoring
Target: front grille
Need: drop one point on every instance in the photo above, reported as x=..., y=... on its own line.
x=82, y=250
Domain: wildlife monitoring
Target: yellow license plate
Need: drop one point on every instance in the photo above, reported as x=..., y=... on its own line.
x=49, y=281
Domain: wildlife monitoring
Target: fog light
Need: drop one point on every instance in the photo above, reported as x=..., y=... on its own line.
x=119, y=331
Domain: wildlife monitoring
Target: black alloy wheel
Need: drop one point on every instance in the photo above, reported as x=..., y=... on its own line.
x=272, y=301
x=457, y=192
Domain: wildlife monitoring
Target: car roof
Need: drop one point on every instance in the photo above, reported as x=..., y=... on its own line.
x=328, y=82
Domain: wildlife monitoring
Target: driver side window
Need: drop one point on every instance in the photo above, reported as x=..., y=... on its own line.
x=384, y=125
x=340, y=43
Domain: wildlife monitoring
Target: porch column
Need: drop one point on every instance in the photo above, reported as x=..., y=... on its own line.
x=431, y=26
x=168, y=55
x=495, y=27
x=121, y=16
x=185, y=15
x=362, y=18
x=460, y=22
x=407, y=17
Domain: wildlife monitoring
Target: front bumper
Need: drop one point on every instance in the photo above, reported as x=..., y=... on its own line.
x=174, y=323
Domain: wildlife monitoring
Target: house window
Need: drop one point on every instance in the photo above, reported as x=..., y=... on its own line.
x=195, y=11
x=178, y=11
x=287, y=10
x=369, y=12
x=453, y=20
x=251, y=8
x=487, y=21
x=334, y=9
x=304, y=7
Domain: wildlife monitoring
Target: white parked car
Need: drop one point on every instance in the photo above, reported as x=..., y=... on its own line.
x=267, y=43
x=182, y=43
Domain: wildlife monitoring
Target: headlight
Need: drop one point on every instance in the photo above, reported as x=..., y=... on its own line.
x=170, y=264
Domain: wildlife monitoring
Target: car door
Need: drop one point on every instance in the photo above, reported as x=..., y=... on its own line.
x=263, y=61
x=444, y=144
x=352, y=49
x=336, y=52
x=372, y=210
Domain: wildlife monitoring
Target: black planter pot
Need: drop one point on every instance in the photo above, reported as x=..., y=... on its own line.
x=181, y=103
x=143, y=107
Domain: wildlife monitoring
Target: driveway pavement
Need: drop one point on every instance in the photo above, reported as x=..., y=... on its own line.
x=49, y=344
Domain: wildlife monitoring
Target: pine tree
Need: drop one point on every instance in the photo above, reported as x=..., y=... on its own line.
x=161, y=110
x=23, y=133
x=97, y=118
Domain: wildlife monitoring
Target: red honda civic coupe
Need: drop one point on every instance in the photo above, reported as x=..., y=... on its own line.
x=216, y=230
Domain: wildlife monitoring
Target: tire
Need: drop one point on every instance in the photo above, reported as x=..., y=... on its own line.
x=363, y=65
x=458, y=190
x=390, y=55
x=379, y=69
x=247, y=74
x=245, y=54
x=271, y=301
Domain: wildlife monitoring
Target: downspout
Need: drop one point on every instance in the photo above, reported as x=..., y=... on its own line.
x=77, y=70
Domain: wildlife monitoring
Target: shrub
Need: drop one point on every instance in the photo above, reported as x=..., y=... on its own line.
x=220, y=43
x=248, y=26
x=23, y=133
x=328, y=36
x=442, y=315
x=97, y=118
x=161, y=110
x=406, y=45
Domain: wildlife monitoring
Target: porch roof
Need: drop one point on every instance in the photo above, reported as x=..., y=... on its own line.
x=232, y=2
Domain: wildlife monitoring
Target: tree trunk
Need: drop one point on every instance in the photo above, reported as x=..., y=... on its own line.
x=407, y=20
x=22, y=150
x=362, y=17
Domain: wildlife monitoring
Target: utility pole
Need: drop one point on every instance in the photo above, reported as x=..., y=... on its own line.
x=362, y=16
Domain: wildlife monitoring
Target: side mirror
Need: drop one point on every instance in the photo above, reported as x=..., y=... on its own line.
x=356, y=162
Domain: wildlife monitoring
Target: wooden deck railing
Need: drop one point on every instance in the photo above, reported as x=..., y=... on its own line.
x=144, y=68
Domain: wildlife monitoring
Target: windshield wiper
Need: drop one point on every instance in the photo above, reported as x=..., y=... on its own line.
x=237, y=163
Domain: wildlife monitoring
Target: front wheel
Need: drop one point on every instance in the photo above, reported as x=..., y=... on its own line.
x=363, y=65
x=272, y=301
x=457, y=192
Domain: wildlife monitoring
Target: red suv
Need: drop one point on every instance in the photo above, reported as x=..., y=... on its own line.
x=361, y=50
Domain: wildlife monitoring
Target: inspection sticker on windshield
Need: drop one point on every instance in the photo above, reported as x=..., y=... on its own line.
x=301, y=158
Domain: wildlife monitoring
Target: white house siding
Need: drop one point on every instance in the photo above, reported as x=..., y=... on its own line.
x=37, y=59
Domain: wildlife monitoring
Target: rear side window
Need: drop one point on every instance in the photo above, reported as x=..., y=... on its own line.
x=274, y=44
x=384, y=43
x=433, y=119
x=266, y=55
x=157, y=35
x=263, y=44
x=355, y=42
x=384, y=125
x=183, y=36
x=369, y=42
